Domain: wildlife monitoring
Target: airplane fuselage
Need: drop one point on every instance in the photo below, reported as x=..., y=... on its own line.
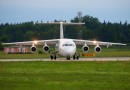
x=66, y=47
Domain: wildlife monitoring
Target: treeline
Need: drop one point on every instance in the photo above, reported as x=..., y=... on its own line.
x=93, y=29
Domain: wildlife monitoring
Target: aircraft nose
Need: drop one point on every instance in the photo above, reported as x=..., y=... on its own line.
x=70, y=51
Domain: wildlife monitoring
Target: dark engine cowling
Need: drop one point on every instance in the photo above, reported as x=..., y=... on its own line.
x=33, y=49
x=46, y=48
x=85, y=48
x=97, y=49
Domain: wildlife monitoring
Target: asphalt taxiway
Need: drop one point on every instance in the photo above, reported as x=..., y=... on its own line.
x=81, y=59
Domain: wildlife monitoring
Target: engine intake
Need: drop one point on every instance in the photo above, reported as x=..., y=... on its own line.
x=46, y=48
x=33, y=49
x=85, y=48
x=97, y=49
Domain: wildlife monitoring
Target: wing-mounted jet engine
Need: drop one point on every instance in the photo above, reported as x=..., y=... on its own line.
x=33, y=48
x=97, y=48
x=46, y=48
x=85, y=48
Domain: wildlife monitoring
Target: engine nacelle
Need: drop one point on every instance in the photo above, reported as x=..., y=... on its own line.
x=46, y=48
x=33, y=49
x=97, y=49
x=85, y=48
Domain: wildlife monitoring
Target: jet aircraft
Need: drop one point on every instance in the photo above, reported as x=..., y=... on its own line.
x=63, y=46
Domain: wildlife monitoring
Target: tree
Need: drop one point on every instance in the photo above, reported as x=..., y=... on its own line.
x=93, y=29
x=1, y=47
x=4, y=38
x=91, y=22
x=29, y=35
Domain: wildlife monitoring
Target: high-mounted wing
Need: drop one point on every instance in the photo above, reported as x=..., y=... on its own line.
x=39, y=42
x=88, y=42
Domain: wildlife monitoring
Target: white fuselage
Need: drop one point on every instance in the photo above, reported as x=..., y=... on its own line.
x=66, y=47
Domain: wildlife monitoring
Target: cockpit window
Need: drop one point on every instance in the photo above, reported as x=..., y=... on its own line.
x=68, y=45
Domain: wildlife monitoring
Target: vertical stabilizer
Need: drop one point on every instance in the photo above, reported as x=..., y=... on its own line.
x=61, y=26
x=61, y=30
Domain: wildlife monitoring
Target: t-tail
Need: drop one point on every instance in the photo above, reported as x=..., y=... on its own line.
x=61, y=30
x=61, y=26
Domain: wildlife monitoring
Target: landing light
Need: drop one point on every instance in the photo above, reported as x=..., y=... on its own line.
x=95, y=42
x=35, y=42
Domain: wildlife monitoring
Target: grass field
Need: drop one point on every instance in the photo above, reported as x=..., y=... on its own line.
x=118, y=51
x=67, y=75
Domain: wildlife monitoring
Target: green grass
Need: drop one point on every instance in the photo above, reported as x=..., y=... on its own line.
x=67, y=75
x=23, y=56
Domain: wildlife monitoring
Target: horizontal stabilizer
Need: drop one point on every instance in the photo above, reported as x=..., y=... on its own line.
x=65, y=23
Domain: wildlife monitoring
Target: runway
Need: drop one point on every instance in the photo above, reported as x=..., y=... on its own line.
x=63, y=59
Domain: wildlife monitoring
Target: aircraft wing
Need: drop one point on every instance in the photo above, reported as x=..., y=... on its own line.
x=35, y=42
x=89, y=42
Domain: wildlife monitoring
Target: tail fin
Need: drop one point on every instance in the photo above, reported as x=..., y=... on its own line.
x=61, y=26
x=61, y=30
x=65, y=23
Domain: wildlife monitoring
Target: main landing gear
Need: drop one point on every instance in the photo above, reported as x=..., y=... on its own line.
x=53, y=55
x=68, y=57
x=76, y=56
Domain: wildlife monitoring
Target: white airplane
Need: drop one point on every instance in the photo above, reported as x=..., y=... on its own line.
x=64, y=47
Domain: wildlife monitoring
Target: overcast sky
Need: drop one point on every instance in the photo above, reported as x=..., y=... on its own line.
x=16, y=11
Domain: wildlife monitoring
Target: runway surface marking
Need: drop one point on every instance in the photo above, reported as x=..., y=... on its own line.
x=81, y=59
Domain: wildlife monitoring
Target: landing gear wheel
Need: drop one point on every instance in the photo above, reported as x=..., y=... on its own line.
x=76, y=56
x=68, y=58
x=53, y=55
